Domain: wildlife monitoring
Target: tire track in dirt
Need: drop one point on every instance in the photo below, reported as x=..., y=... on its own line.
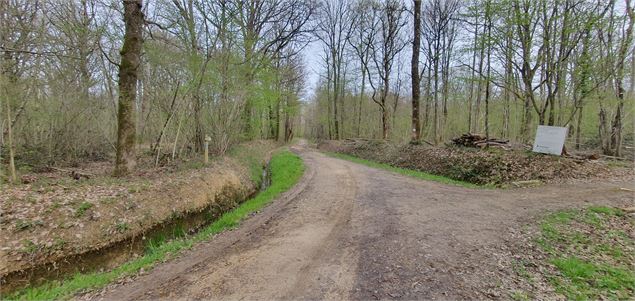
x=348, y=231
x=298, y=252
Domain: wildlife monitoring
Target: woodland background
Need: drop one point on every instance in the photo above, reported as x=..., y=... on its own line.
x=229, y=70
x=496, y=67
x=233, y=70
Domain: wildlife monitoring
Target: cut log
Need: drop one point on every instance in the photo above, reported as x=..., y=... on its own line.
x=478, y=140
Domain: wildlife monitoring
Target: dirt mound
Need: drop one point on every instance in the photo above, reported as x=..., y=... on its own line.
x=490, y=166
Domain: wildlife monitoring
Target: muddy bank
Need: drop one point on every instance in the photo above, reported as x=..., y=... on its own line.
x=493, y=166
x=76, y=233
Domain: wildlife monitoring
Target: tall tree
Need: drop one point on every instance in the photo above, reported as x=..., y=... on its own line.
x=414, y=71
x=334, y=29
x=128, y=75
x=439, y=19
x=362, y=38
x=384, y=53
x=614, y=147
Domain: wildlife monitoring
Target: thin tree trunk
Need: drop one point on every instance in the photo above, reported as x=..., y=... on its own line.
x=508, y=84
x=477, y=110
x=471, y=100
x=272, y=122
x=578, y=132
x=276, y=135
x=426, y=119
x=328, y=100
x=489, y=67
x=335, y=73
x=167, y=121
x=616, y=127
x=176, y=137
x=13, y=178
x=436, y=100
x=157, y=146
x=361, y=102
x=416, y=81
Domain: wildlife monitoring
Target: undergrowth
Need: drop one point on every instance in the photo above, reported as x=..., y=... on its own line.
x=286, y=170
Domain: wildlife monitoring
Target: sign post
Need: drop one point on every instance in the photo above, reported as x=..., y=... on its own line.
x=206, y=156
x=550, y=139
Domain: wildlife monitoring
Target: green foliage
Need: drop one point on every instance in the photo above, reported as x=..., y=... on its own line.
x=122, y=227
x=606, y=210
x=520, y=296
x=21, y=225
x=591, y=261
x=583, y=280
x=286, y=169
x=83, y=207
x=29, y=247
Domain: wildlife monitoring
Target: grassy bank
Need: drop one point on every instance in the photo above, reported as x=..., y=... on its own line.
x=406, y=172
x=286, y=170
x=585, y=254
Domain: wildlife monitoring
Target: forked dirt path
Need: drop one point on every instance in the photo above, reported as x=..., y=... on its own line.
x=347, y=231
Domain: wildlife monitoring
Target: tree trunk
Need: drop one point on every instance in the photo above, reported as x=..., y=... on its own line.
x=527, y=117
x=288, y=126
x=508, y=83
x=436, y=100
x=384, y=123
x=276, y=129
x=616, y=127
x=578, y=132
x=328, y=100
x=477, y=110
x=489, y=67
x=416, y=81
x=272, y=130
x=361, y=101
x=199, y=140
x=13, y=178
x=128, y=73
x=426, y=119
x=470, y=99
x=336, y=124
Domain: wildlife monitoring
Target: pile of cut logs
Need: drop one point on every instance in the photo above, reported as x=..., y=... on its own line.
x=478, y=140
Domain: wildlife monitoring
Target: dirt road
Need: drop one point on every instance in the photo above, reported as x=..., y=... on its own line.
x=352, y=232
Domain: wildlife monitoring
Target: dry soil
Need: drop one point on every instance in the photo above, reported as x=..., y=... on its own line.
x=347, y=231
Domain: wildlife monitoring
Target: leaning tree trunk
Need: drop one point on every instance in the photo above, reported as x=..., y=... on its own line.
x=128, y=73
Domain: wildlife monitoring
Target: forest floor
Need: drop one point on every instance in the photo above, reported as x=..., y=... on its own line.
x=492, y=167
x=349, y=231
x=67, y=212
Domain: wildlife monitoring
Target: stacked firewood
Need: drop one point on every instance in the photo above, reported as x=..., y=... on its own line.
x=479, y=140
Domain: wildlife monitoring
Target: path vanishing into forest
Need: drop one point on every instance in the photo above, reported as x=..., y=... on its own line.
x=348, y=231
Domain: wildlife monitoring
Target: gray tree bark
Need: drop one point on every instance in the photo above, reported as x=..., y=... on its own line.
x=128, y=74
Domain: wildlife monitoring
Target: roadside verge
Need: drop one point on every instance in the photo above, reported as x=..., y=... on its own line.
x=286, y=169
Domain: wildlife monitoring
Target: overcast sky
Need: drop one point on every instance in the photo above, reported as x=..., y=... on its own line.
x=312, y=61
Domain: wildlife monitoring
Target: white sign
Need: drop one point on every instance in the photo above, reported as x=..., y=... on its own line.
x=550, y=139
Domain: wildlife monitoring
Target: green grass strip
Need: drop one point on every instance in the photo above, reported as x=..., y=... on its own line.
x=591, y=264
x=406, y=172
x=286, y=170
